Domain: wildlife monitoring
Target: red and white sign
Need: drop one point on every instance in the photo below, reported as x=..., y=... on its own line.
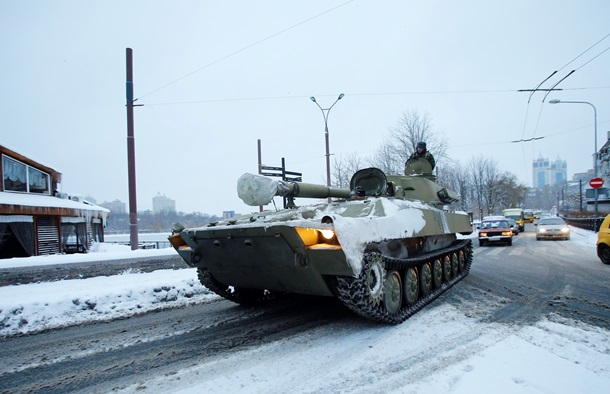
x=596, y=183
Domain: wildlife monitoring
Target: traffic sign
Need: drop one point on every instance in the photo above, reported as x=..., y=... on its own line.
x=596, y=183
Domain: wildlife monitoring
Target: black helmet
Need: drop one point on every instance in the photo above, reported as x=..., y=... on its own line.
x=421, y=145
x=357, y=192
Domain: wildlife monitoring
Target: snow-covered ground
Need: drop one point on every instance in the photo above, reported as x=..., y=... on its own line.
x=553, y=356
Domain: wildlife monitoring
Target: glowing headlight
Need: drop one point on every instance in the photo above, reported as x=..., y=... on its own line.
x=311, y=236
x=542, y=230
x=565, y=230
x=327, y=234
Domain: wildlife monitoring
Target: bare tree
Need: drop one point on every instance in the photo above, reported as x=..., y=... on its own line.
x=456, y=178
x=510, y=192
x=411, y=129
x=386, y=159
x=494, y=190
x=345, y=167
x=476, y=167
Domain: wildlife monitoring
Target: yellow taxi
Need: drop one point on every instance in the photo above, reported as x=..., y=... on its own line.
x=603, y=241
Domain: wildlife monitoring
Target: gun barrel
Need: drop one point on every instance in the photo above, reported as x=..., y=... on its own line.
x=311, y=190
x=259, y=190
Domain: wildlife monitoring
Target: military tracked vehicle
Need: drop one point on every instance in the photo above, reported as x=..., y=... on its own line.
x=385, y=247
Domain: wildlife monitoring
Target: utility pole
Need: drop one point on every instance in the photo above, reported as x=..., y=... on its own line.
x=260, y=166
x=131, y=156
x=580, y=190
x=325, y=112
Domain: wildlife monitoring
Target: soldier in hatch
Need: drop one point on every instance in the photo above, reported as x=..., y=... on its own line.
x=420, y=151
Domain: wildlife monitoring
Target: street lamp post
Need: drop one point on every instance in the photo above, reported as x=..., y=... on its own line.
x=325, y=112
x=595, y=126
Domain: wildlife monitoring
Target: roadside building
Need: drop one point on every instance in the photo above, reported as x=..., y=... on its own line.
x=35, y=219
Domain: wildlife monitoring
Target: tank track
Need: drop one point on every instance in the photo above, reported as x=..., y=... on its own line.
x=241, y=296
x=355, y=293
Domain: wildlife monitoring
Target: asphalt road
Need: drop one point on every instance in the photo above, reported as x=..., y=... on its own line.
x=538, y=277
x=519, y=284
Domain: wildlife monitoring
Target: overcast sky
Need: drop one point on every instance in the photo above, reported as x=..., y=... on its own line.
x=216, y=76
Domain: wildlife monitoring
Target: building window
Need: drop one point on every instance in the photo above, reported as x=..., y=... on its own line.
x=14, y=175
x=38, y=181
x=19, y=177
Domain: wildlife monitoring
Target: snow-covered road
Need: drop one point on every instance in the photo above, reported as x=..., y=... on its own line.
x=448, y=347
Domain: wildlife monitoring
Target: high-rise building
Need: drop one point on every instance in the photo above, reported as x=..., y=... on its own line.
x=549, y=173
x=163, y=204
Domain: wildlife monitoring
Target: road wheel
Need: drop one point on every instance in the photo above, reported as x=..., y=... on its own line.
x=437, y=277
x=425, y=279
x=603, y=251
x=481, y=242
x=510, y=242
x=392, y=294
x=375, y=278
x=454, y=265
x=447, y=268
x=411, y=286
x=461, y=261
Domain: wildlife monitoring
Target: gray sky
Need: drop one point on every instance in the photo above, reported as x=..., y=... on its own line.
x=216, y=76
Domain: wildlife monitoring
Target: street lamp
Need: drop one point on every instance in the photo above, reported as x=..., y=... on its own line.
x=325, y=112
x=595, y=126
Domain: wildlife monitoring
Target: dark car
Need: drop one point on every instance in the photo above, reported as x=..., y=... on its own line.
x=513, y=226
x=495, y=230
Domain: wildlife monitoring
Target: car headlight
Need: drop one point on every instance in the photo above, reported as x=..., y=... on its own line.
x=542, y=230
x=565, y=230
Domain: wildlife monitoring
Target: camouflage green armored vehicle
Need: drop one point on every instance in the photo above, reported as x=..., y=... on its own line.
x=385, y=247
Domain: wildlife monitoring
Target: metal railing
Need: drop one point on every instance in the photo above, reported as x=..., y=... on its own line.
x=147, y=245
x=591, y=224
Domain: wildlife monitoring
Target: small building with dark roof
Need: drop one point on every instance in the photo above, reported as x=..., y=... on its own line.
x=35, y=219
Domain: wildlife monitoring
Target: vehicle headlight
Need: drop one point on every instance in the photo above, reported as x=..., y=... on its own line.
x=482, y=234
x=311, y=236
x=327, y=234
x=542, y=230
x=507, y=233
x=565, y=230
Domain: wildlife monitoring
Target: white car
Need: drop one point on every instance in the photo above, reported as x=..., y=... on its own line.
x=552, y=227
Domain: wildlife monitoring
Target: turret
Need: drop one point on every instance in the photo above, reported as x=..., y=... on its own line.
x=369, y=182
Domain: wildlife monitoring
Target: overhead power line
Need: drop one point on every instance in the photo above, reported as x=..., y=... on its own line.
x=554, y=87
x=420, y=92
x=246, y=47
x=527, y=140
x=538, y=89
